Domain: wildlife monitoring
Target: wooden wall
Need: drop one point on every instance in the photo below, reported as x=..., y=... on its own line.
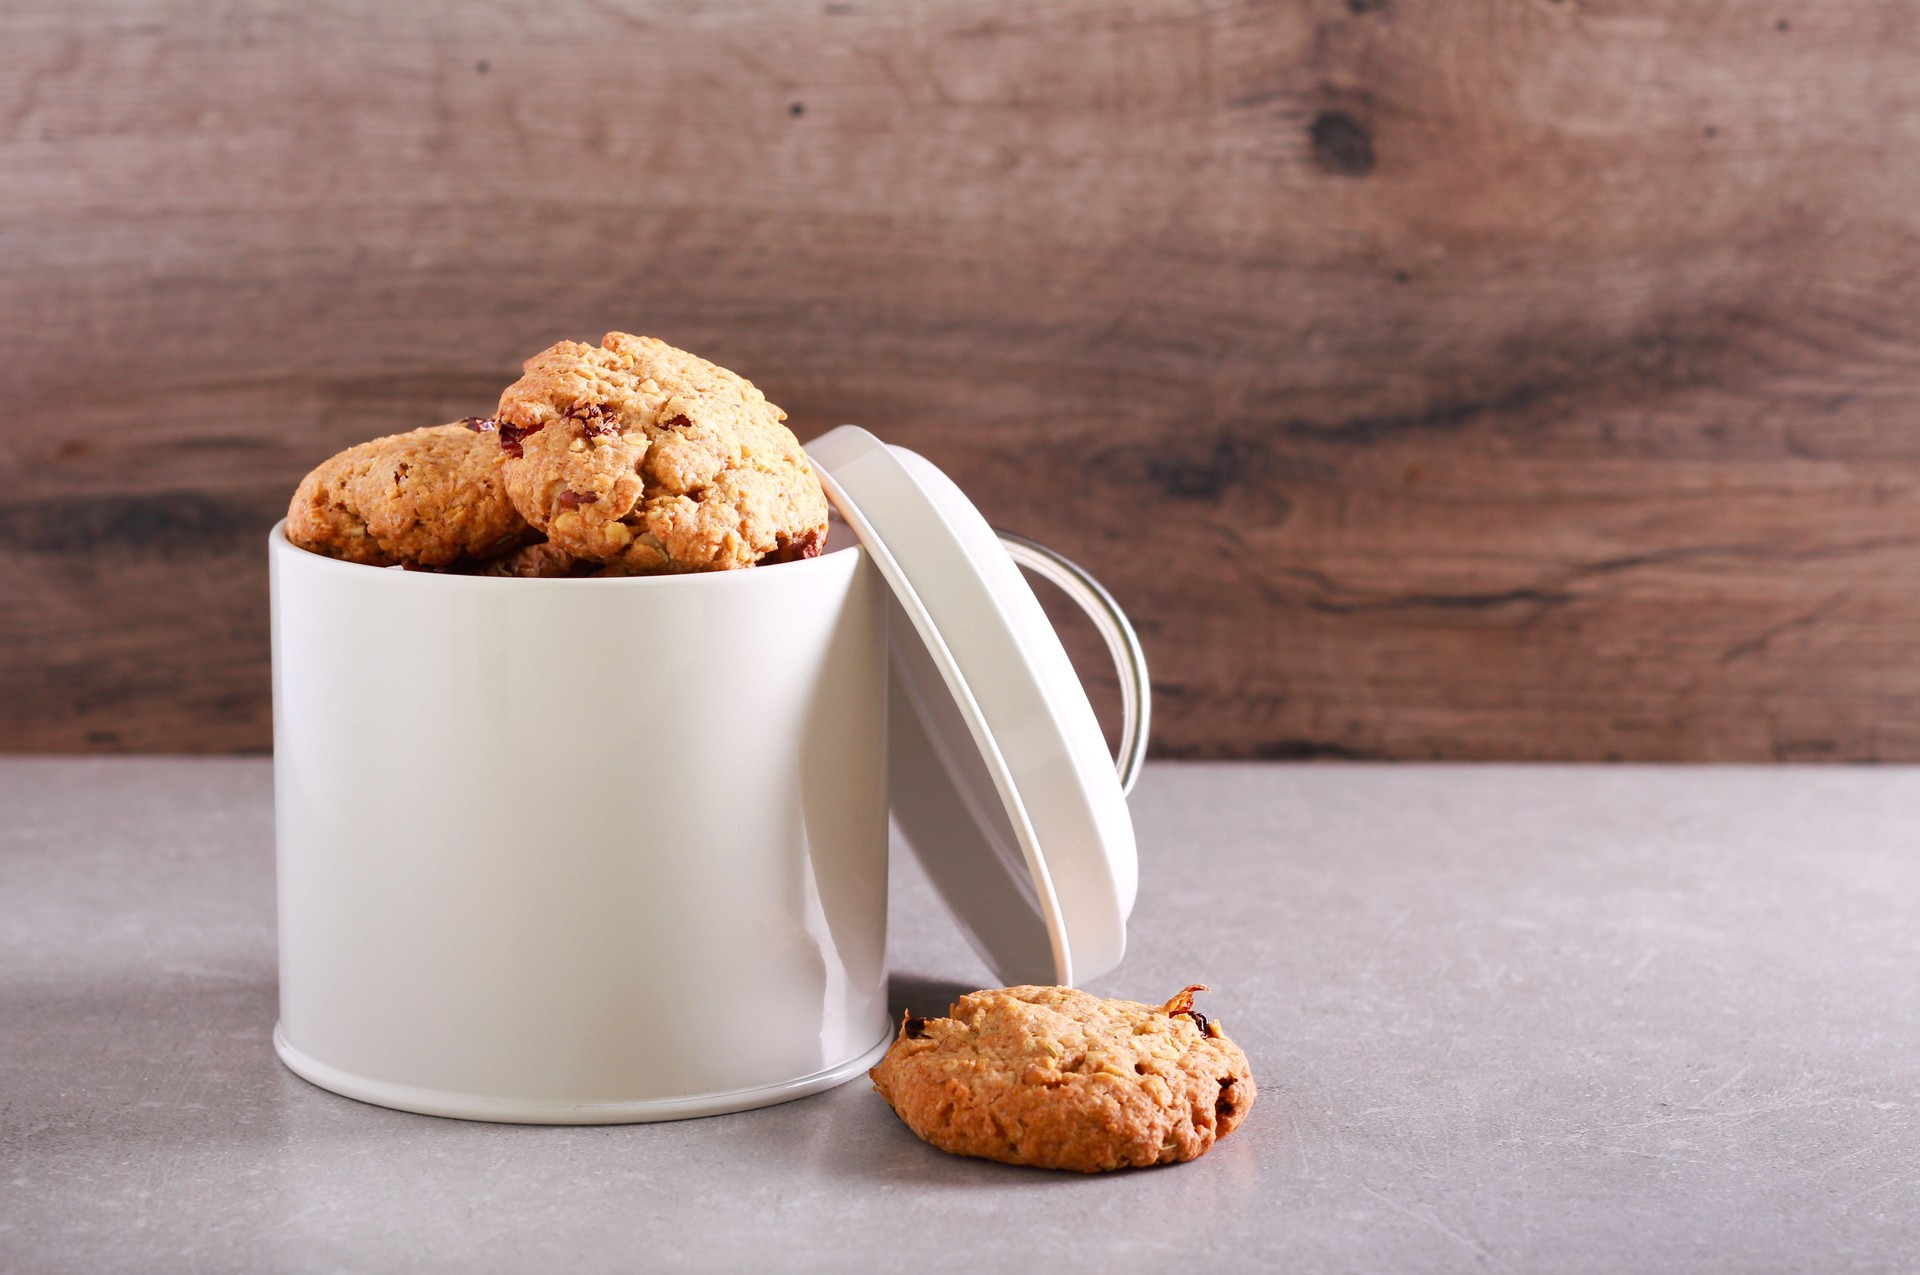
x=1520, y=379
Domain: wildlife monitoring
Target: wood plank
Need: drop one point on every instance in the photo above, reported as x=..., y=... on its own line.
x=1531, y=379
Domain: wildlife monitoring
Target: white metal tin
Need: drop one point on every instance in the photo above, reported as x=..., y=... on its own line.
x=580, y=851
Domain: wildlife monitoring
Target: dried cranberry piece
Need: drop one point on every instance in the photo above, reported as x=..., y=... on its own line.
x=511, y=436
x=571, y=499
x=480, y=424
x=1182, y=1003
x=806, y=546
x=597, y=419
x=677, y=422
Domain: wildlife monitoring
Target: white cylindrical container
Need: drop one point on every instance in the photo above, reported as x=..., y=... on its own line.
x=580, y=851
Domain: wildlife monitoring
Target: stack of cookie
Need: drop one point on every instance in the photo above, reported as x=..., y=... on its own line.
x=627, y=458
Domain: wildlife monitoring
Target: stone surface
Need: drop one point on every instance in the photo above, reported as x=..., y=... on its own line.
x=1570, y=1019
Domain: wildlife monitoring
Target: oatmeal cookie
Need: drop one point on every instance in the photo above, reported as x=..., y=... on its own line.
x=649, y=459
x=1059, y=1079
x=544, y=561
x=423, y=499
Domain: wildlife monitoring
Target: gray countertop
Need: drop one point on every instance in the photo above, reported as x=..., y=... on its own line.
x=1503, y=1018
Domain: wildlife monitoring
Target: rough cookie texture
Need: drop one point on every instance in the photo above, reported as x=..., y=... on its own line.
x=649, y=459
x=544, y=561
x=1059, y=1079
x=425, y=499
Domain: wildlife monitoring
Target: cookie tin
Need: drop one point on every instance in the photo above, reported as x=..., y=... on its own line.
x=1000, y=780
x=580, y=851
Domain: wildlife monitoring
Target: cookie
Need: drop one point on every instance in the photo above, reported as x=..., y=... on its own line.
x=544, y=561
x=423, y=499
x=649, y=459
x=1059, y=1079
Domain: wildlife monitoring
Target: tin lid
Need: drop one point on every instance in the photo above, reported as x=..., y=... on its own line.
x=1000, y=780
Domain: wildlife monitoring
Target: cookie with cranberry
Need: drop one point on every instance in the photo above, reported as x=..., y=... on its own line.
x=649, y=459
x=544, y=561
x=1059, y=1079
x=427, y=498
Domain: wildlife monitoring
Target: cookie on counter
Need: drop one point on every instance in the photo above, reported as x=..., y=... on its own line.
x=427, y=498
x=1059, y=1079
x=648, y=459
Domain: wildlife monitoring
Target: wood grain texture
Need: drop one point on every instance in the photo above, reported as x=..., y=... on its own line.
x=1522, y=379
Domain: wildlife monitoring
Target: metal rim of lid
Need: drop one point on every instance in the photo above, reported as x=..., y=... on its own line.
x=1116, y=630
